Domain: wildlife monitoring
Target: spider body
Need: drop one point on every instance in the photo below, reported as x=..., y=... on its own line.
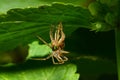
x=57, y=45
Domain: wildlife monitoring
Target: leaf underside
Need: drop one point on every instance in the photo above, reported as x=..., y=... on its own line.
x=20, y=26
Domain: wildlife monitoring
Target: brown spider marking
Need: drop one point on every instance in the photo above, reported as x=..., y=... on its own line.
x=57, y=45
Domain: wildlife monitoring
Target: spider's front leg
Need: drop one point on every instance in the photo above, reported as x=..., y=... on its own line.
x=51, y=34
x=53, y=41
x=62, y=36
x=43, y=41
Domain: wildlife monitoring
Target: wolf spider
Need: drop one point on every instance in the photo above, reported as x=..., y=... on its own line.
x=57, y=45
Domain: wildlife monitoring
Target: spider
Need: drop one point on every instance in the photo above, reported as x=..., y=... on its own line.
x=57, y=45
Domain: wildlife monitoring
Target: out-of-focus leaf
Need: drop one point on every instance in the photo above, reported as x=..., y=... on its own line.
x=97, y=9
x=109, y=2
x=11, y=57
x=61, y=72
x=20, y=26
x=101, y=26
x=105, y=17
x=111, y=18
x=94, y=8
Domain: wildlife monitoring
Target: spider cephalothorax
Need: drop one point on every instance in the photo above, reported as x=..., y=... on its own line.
x=57, y=45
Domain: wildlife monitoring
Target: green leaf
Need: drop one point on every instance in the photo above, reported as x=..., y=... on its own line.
x=61, y=72
x=20, y=26
x=37, y=50
x=35, y=3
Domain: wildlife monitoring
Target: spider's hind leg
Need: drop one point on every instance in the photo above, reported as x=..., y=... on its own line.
x=48, y=57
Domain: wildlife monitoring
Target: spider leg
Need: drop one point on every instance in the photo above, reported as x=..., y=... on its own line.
x=60, y=59
x=42, y=58
x=53, y=41
x=57, y=57
x=57, y=34
x=62, y=51
x=51, y=34
x=56, y=37
x=59, y=62
x=54, y=61
x=64, y=58
x=62, y=35
x=43, y=41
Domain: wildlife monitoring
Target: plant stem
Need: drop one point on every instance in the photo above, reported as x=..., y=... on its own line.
x=117, y=36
